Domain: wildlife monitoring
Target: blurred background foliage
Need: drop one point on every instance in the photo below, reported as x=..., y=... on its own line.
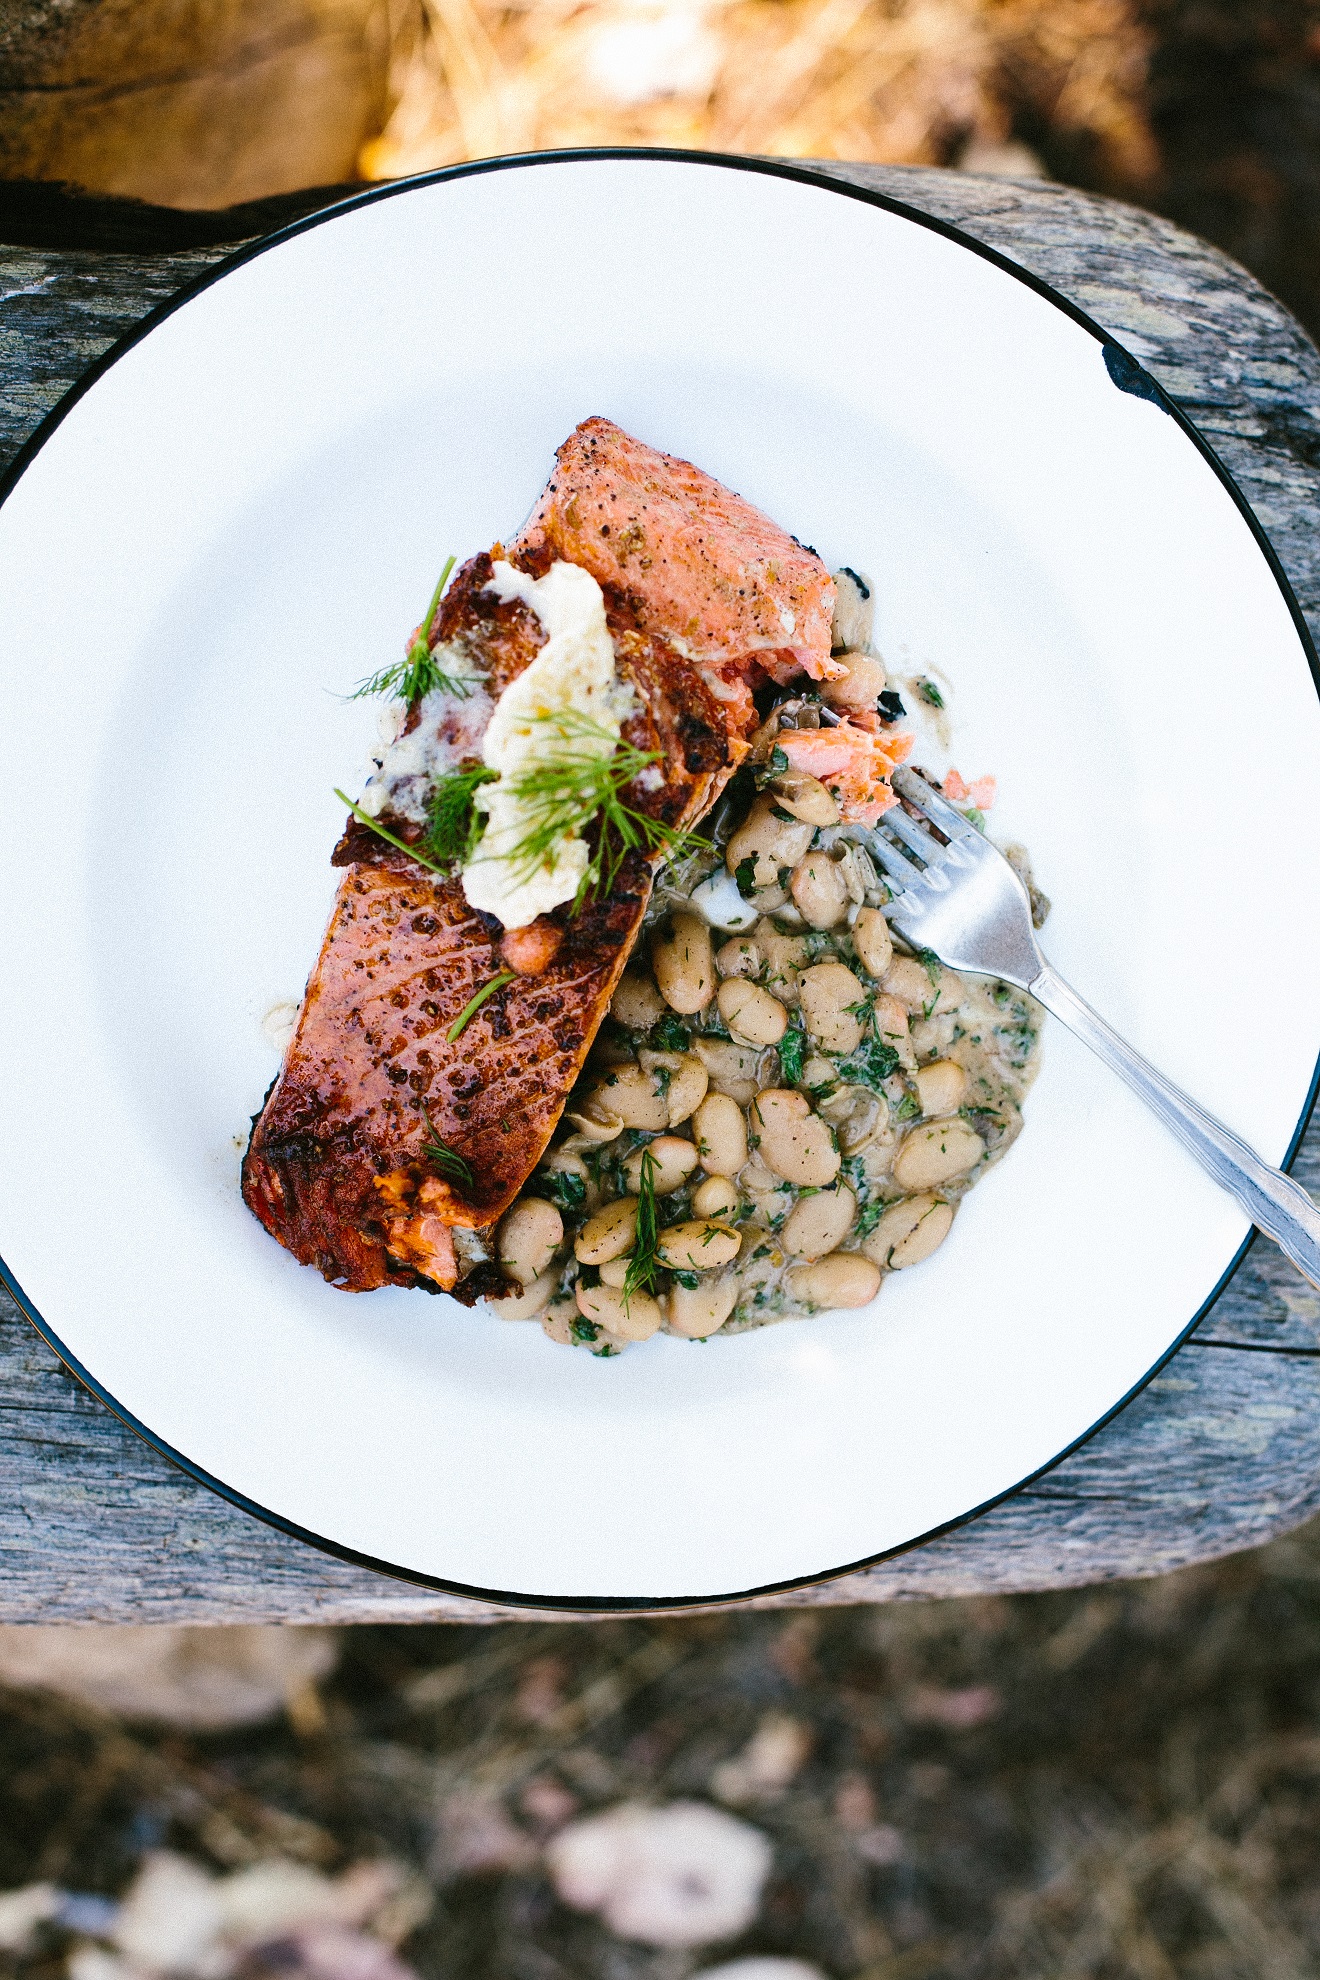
x=1206, y=110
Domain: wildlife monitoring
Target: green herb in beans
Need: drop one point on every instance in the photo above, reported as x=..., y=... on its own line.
x=873, y=1063
x=669, y=1035
x=565, y=1189
x=643, y=1265
x=745, y=877
x=792, y=1052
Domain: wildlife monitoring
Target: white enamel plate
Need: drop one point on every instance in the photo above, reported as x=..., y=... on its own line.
x=244, y=515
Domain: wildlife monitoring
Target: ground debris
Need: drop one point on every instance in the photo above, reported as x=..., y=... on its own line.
x=1113, y=1782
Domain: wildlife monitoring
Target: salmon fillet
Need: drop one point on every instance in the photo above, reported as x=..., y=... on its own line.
x=723, y=583
x=336, y=1167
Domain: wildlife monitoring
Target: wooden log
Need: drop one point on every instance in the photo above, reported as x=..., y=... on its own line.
x=191, y=105
x=1221, y=1451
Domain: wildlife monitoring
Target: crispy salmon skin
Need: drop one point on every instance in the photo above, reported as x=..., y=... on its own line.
x=708, y=599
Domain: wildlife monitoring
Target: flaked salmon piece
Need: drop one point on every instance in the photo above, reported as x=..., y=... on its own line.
x=715, y=576
x=337, y=1166
x=853, y=762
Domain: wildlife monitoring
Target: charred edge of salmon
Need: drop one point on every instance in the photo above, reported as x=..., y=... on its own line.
x=318, y=1198
x=344, y=1117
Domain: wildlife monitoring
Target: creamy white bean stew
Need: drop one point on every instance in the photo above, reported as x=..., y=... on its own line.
x=772, y=1120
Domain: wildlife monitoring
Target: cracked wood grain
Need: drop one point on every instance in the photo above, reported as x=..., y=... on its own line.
x=1220, y=1452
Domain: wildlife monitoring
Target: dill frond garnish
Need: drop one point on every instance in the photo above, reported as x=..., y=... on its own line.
x=471, y=1008
x=447, y=1162
x=640, y=1276
x=455, y=827
x=413, y=852
x=576, y=784
x=419, y=672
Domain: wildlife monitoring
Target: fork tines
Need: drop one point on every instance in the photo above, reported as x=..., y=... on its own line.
x=914, y=837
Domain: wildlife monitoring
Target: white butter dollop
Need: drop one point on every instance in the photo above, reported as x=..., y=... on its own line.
x=573, y=670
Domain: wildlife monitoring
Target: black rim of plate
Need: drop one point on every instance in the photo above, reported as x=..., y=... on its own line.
x=1127, y=374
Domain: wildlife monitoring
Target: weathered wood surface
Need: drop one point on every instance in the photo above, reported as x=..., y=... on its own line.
x=1220, y=1452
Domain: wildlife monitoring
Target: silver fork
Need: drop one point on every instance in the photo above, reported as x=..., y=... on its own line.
x=959, y=897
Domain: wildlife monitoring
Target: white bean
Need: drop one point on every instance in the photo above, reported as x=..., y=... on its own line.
x=528, y=1237
x=842, y=1279
x=684, y=963
x=818, y=1223
x=871, y=939
x=683, y=1081
x=910, y=981
x=892, y=1023
x=609, y=1234
x=557, y=1320
x=820, y=890
x=941, y=1087
x=769, y=842
x=861, y=687
x=795, y=1143
x=805, y=797
x=719, y=1129
x=932, y=1155
x=636, y=1003
x=716, y=1197
x=854, y=608
x=732, y=1069
x=614, y=1272
x=751, y=1013
x=828, y=991
x=595, y=1125
x=909, y=1231
x=739, y=957
x=634, y=1319
x=696, y=1311
x=700, y=1245
x=672, y=1161
x=634, y=1096
x=785, y=956
x=528, y=1304
x=864, y=1121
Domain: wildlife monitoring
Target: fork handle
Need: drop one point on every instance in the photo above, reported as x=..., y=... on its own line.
x=1273, y=1201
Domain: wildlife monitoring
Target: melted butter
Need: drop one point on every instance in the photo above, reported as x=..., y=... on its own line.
x=447, y=734
x=574, y=670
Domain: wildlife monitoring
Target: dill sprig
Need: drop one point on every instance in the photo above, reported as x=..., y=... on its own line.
x=419, y=672
x=640, y=1276
x=446, y=1161
x=382, y=832
x=474, y=1004
x=455, y=827
x=574, y=786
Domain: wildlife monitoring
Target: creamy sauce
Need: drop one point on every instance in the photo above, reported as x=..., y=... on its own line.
x=447, y=733
x=574, y=671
